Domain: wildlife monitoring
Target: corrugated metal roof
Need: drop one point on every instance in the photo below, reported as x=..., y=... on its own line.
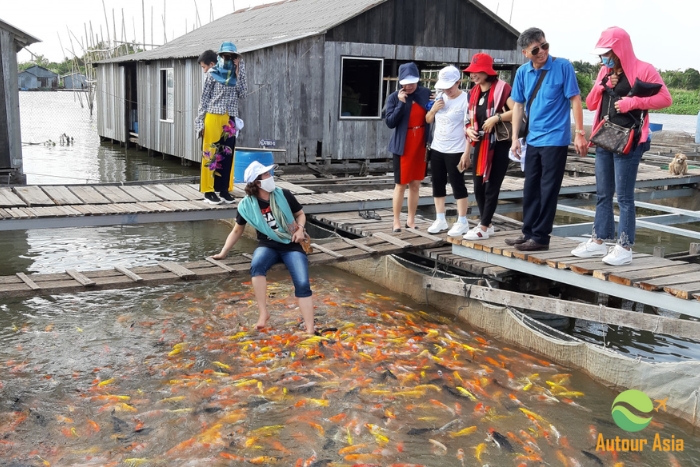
x=21, y=37
x=259, y=27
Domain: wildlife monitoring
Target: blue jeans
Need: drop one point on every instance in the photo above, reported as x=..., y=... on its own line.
x=296, y=261
x=616, y=173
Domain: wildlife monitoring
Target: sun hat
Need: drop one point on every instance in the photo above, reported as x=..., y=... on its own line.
x=447, y=77
x=601, y=50
x=255, y=169
x=408, y=74
x=481, y=63
x=228, y=48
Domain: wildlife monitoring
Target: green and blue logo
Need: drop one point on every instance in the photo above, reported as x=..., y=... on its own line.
x=624, y=418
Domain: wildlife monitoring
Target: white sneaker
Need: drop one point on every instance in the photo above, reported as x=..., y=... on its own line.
x=617, y=256
x=438, y=226
x=477, y=234
x=458, y=229
x=590, y=249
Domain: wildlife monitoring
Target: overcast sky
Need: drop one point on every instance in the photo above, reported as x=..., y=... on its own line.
x=664, y=32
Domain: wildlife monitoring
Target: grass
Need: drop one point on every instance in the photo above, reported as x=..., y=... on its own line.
x=684, y=103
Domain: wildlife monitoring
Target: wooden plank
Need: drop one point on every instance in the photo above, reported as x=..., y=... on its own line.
x=88, y=194
x=218, y=264
x=631, y=277
x=33, y=196
x=420, y=233
x=115, y=194
x=588, y=267
x=247, y=255
x=186, y=191
x=19, y=213
x=4, y=214
x=327, y=251
x=8, y=199
x=130, y=274
x=635, y=266
x=69, y=211
x=684, y=291
x=660, y=283
x=140, y=194
x=179, y=271
x=85, y=281
x=61, y=195
x=601, y=314
x=393, y=240
x=359, y=245
x=165, y=192
x=32, y=285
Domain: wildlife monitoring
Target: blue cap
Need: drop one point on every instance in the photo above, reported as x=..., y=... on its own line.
x=228, y=47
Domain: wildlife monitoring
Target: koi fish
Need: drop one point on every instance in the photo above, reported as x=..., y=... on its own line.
x=438, y=444
x=466, y=393
x=106, y=382
x=463, y=432
x=479, y=450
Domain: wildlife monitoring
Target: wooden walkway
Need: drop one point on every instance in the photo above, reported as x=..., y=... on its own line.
x=54, y=206
x=669, y=284
x=71, y=281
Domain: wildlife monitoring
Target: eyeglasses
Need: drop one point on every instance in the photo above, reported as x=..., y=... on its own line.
x=535, y=50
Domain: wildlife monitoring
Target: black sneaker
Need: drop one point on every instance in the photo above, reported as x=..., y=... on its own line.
x=211, y=198
x=226, y=197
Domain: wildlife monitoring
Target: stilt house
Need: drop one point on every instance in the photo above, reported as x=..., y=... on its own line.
x=318, y=72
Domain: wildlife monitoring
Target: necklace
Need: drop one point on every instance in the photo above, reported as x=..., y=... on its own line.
x=481, y=100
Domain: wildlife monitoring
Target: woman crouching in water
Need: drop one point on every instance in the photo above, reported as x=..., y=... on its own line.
x=279, y=221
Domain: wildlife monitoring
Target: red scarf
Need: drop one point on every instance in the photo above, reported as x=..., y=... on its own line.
x=495, y=93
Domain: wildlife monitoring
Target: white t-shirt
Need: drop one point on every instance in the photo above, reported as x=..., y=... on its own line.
x=449, y=125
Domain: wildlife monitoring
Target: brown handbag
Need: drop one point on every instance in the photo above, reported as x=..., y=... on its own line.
x=504, y=130
x=613, y=137
x=306, y=244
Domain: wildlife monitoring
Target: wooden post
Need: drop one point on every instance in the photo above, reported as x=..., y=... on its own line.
x=694, y=249
x=659, y=251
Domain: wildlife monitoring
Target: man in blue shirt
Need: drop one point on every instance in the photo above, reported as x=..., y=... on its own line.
x=548, y=137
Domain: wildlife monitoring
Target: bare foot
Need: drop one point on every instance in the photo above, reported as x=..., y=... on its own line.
x=262, y=320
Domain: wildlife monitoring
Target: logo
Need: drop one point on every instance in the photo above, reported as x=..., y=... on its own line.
x=624, y=418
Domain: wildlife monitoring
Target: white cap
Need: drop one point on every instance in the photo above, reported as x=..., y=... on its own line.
x=447, y=77
x=409, y=80
x=601, y=50
x=255, y=169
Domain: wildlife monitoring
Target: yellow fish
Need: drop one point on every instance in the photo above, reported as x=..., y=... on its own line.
x=173, y=399
x=479, y=450
x=221, y=365
x=532, y=414
x=104, y=383
x=177, y=348
x=135, y=461
x=267, y=430
x=466, y=393
x=464, y=432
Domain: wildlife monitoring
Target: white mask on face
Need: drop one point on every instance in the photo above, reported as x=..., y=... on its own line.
x=268, y=184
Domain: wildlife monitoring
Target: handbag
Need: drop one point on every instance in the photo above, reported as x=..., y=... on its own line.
x=613, y=137
x=525, y=124
x=306, y=244
x=504, y=130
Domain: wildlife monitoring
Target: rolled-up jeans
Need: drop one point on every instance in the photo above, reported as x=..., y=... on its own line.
x=296, y=261
x=616, y=173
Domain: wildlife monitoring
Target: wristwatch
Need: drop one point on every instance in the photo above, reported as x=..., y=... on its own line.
x=580, y=132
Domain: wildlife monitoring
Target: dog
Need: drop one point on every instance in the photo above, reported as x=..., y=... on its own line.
x=679, y=165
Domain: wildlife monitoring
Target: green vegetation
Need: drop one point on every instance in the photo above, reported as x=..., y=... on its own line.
x=69, y=65
x=684, y=87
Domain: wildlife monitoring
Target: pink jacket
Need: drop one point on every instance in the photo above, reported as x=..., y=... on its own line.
x=619, y=41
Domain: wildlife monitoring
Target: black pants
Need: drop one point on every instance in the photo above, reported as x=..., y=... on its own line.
x=443, y=168
x=544, y=172
x=486, y=194
x=221, y=183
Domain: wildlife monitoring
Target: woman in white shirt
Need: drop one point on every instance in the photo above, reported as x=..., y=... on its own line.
x=448, y=156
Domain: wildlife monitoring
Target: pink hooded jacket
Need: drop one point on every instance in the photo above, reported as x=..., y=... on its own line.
x=619, y=41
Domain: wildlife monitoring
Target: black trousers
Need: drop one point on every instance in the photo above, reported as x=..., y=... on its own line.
x=443, y=167
x=544, y=172
x=486, y=194
x=221, y=183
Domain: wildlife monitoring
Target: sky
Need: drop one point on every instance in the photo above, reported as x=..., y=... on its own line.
x=663, y=32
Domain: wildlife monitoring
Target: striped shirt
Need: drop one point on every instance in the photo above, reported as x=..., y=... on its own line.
x=220, y=99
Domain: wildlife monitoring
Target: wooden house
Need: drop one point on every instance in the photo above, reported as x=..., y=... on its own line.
x=318, y=72
x=37, y=77
x=74, y=81
x=12, y=40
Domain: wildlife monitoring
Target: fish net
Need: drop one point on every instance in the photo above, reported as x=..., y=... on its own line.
x=677, y=381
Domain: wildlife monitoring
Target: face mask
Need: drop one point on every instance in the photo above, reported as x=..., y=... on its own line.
x=608, y=62
x=268, y=184
x=225, y=64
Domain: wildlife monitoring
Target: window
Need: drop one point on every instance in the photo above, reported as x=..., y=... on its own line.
x=361, y=87
x=167, y=94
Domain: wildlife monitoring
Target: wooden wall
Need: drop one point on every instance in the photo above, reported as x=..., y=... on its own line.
x=111, y=121
x=285, y=99
x=428, y=23
x=10, y=144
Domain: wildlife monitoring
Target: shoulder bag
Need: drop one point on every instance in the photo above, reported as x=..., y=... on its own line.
x=613, y=137
x=524, y=125
x=504, y=130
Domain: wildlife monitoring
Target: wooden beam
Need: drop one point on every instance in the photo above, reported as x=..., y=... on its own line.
x=359, y=245
x=598, y=313
x=219, y=264
x=425, y=235
x=393, y=240
x=84, y=280
x=327, y=251
x=32, y=285
x=130, y=274
x=180, y=271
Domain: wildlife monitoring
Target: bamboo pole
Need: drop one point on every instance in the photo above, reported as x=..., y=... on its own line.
x=198, y=22
x=104, y=9
x=143, y=21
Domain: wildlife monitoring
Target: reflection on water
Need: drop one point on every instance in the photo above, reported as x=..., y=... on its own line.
x=47, y=115
x=176, y=376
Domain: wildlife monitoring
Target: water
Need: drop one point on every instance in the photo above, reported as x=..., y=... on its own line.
x=222, y=393
x=671, y=122
x=175, y=376
x=47, y=115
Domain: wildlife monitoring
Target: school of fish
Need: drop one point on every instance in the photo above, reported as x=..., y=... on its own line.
x=191, y=382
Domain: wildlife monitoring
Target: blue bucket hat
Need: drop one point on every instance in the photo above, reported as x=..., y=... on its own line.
x=228, y=47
